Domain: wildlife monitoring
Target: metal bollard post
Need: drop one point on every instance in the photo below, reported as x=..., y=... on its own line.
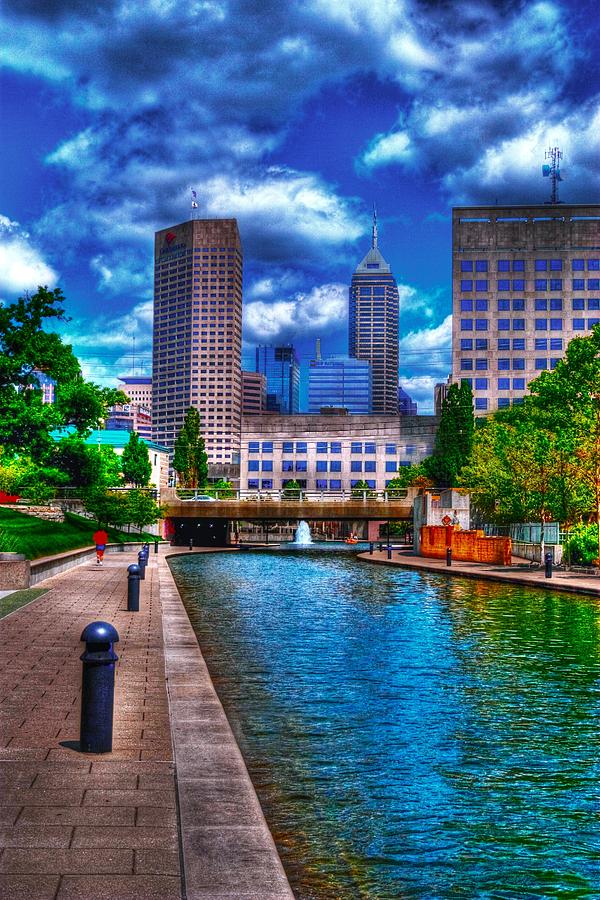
x=371, y=547
x=548, y=564
x=133, y=588
x=156, y=546
x=142, y=565
x=389, y=552
x=448, y=556
x=191, y=543
x=97, y=688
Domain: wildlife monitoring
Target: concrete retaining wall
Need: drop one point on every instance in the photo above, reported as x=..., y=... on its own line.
x=532, y=551
x=468, y=546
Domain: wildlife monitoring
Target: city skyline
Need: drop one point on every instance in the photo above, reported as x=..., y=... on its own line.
x=295, y=121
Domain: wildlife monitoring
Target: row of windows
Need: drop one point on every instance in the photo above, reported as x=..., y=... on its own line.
x=518, y=265
x=540, y=303
x=504, y=384
x=335, y=447
x=322, y=484
x=505, y=344
x=518, y=284
x=323, y=465
x=553, y=324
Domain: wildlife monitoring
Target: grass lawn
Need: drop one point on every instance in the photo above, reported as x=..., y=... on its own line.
x=19, y=598
x=35, y=537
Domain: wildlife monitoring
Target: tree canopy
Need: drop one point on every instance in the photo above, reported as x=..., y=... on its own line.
x=135, y=461
x=190, y=459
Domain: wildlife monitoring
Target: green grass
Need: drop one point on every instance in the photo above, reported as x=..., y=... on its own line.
x=18, y=599
x=35, y=537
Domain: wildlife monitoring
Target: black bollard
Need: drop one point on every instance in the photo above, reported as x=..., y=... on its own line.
x=133, y=588
x=371, y=547
x=156, y=546
x=548, y=564
x=389, y=552
x=191, y=543
x=448, y=556
x=142, y=565
x=97, y=688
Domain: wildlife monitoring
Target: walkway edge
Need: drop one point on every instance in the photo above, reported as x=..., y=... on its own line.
x=227, y=848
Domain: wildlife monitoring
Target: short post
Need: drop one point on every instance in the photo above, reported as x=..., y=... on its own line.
x=156, y=546
x=133, y=588
x=191, y=543
x=97, y=688
x=548, y=564
x=448, y=556
x=371, y=548
x=389, y=552
x=142, y=564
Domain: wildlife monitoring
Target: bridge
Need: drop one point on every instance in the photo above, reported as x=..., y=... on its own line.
x=271, y=506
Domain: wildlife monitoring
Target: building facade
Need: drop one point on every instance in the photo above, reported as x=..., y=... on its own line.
x=130, y=417
x=525, y=281
x=331, y=453
x=281, y=368
x=339, y=381
x=406, y=404
x=138, y=388
x=198, y=334
x=373, y=325
x=254, y=393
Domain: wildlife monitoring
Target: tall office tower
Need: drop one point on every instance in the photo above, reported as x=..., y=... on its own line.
x=281, y=368
x=254, y=393
x=406, y=404
x=525, y=281
x=339, y=381
x=198, y=333
x=373, y=325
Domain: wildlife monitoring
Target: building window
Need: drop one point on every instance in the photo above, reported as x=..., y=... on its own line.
x=356, y=465
x=321, y=484
x=466, y=324
x=322, y=448
x=321, y=465
x=503, y=402
x=518, y=284
x=593, y=284
x=370, y=448
x=466, y=285
x=355, y=447
x=253, y=484
x=556, y=284
x=518, y=362
x=481, y=284
x=592, y=322
x=466, y=265
x=253, y=446
x=335, y=447
x=578, y=324
x=556, y=324
x=481, y=305
x=518, y=265
x=503, y=324
x=541, y=363
x=504, y=384
x=578, y=284
x=541, y=324
x=481, y=265
x=287, y=447
x=335, y=465
x=390, y=449
x=541, y=265
x=301, y=465
x=503, y=363
x=593, y=303
x=503, y=305
x=287, y=465
x=504, y=265
x=556, y=303
x=556, y=343
x=504, y=343
x=466, y=305
x=518, y=324
x=503, y=284
x=300, y=446
x=253, y=465
x=481, y=343
x=481, y=324
x=481, y=403
x=593, y=265
x=335, y=484
x=541, y=343
x=578, y=265
x=267, y=484
x=554, y=363
x=267, y=465
x=481, y=384
x=390, y=466
x=518, y=305
x=481, y=364
x=541, y=284
x=518, y=384
x=556, y=265
x=541, y=304
x=466, y=343
x=370, y=465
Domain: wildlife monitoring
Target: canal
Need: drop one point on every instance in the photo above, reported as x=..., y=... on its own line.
x=409, y=735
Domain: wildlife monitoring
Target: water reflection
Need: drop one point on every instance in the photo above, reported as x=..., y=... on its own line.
x=409, y=735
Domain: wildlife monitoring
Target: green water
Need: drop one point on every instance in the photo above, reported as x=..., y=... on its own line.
x=409, y=735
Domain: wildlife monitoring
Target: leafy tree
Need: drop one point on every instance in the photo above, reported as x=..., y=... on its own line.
x=111, y=473
x=84, y=404
x=222, y=489
x=190, y=459
x=135, y=461
x=410, y=476
x=81, y=464
x=107, y=507
x=142, y=509
x=454, y=438
x=291, y=490
x=361, y=488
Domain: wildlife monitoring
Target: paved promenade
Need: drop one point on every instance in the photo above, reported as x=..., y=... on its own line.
x=519, y=573
x=170, y=813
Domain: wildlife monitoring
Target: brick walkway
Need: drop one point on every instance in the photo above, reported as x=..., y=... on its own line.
x=74, y=825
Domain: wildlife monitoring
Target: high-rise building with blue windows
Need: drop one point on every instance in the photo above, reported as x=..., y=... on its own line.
x=339, y=381
x=406, y=404
x=373, y=325
x=281, y=368
x=525, y=281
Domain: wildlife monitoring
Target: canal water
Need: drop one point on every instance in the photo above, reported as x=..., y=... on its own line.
x=409, y=735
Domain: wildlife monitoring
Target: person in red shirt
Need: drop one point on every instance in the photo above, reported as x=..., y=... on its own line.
x=100, y=540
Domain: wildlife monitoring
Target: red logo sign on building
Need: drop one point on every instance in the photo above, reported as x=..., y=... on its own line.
x=170, y=237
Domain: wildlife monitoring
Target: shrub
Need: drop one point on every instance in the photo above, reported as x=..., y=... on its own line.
x=582, y=545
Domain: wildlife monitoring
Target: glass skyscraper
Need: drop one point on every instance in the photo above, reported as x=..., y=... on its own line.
x=373, y=325
x=340, y=381
x=281, y=368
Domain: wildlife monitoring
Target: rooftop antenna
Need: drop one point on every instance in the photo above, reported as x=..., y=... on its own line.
x=552, y=171
x=318, y=350
x=194, y=204
x=374, y=238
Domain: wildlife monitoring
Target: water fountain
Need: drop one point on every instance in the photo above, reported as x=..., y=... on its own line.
x=302, y=535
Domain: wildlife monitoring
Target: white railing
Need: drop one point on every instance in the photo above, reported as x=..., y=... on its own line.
x=285, y=494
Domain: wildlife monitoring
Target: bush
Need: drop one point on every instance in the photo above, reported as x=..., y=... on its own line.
x=581, y=547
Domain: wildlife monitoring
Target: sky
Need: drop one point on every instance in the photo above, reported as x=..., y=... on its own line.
x=296, y=118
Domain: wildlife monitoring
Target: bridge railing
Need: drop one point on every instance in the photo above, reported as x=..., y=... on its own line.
x=296, y=494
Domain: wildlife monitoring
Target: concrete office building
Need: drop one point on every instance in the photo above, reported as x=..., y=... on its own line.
x=138, y=388
x=198, y=334
x=330, y=452
x=254, y=393
x=339, y=381
x=373, y=325
x=281, y=368
x=525, y=281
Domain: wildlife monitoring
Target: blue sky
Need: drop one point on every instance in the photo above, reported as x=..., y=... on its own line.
x=295, y=118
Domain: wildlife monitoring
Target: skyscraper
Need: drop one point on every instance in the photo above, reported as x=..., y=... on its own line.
x=281, y=368
x=339, y=381
x=198, y=333
x=525, y=281
x=373, y=325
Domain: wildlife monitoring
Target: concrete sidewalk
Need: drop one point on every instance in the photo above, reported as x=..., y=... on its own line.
x=96, y=827
x=519, y=573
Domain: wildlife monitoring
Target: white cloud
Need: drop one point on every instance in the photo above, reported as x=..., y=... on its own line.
x=22, y=266
x=425, y=360
x=321, y=312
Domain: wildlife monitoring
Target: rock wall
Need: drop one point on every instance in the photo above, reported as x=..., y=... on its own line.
x=49, y=513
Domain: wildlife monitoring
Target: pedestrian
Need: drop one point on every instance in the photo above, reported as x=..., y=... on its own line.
x=100, y=540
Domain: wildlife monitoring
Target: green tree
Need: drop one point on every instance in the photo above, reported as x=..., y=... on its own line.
x=142, y=509
x=410, y=476
x=135, y=461
x=291, y=490
x=84, y=404
x=107, y=507
x=361, y=489
x=222, y=489
x=454, y=438
x=81, y=464
x=190, y=460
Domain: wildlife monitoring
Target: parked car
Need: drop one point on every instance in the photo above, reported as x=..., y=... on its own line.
x=198, y=498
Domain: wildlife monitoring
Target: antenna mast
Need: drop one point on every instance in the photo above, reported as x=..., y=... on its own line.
x=194, y=204
x=552, y=171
